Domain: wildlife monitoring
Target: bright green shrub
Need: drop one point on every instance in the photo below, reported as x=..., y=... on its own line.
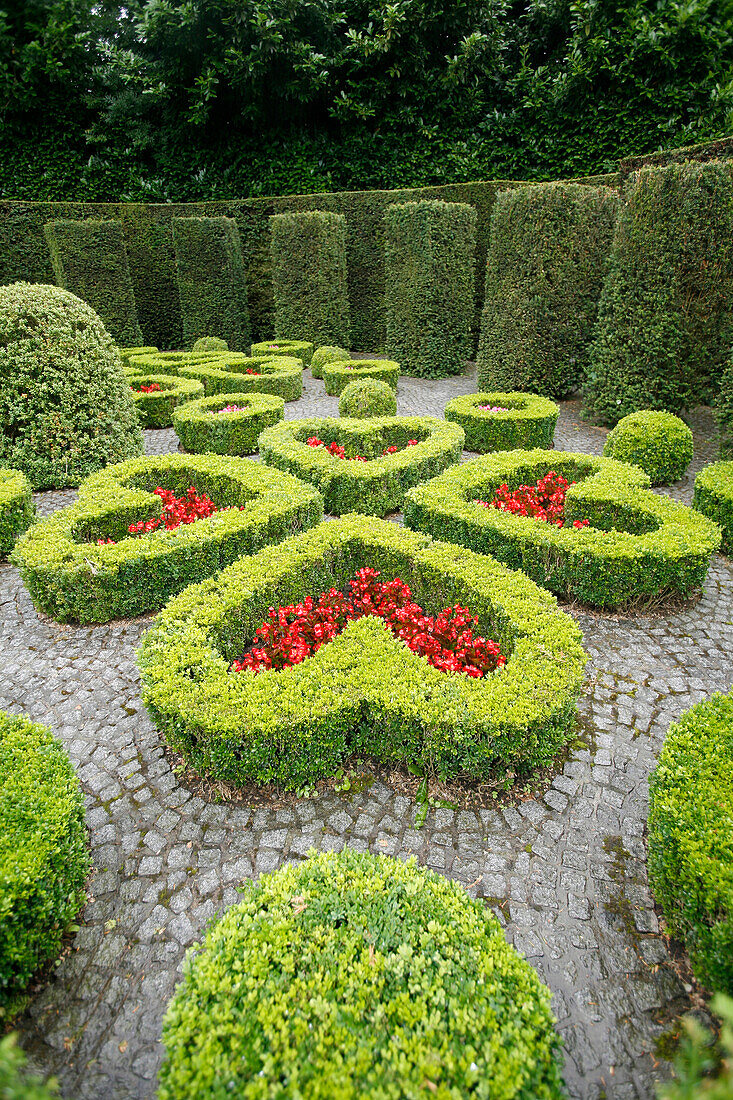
x=639, y=548
x=17, y=510
x=65, y=404
x=659, y=443
x=203, y=428
x=665, y=324
x=127, y=353
x=713, y=496
x=529, y=422
x=724, y=412
x=212, y=282
x=547, y=251
x=326, y=354
x=429, y=258
x=373, y=948
x=377, y=486
x=364, y=692
x=281, y=376
x=309, y=276
x=43, y=852
x=72, y=578
x=155, y=410
x=89, y=259
x=366, y=398
x=292, y=349
x=210, y=343
x=337, y=375
x=691, y=837
x=703, y=1062
x=15, y=1083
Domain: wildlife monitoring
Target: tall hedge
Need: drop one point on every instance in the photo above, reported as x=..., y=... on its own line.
x=547, y=251
x=309, y=277
x=89, y=259
x=724, y=412
x=212, y=282
x=665, y=325
x=429, y=264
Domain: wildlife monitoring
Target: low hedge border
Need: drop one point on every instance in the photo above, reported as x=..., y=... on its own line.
x=17, y=510
x=529, y=423
x=282, y=377
x=203, y=428
x=44, y=860
x=338, y=374
x=374, y=487
x=713, y=496
x=127, y=353
x=691, y=837
x=327, y=353
x=640, y=547
x=291, y=349
x=155, y=410
x=659, y=443
x=72, y=578
x=374, y=949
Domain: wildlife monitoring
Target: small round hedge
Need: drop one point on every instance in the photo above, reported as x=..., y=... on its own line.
x=65, y=404
x=658, y=443
x=202, y=427
x=210, y=343
x=366, y=398
x=529, y=422
x=43, y=852
x=713, y=496
x=292, y=349
x=17, y=510
x=354, y=975
x=155, y=410
x=691, y=837
x=327, y=354
x=337, y=376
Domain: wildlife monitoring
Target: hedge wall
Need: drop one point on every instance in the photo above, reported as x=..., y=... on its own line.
x=212, y=281
x=724, y=412
x=309, y=277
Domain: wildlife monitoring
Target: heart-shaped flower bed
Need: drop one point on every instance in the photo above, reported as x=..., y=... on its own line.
x=228, y=424
x=227, y=371
x=17, y=509
x=338, y=374
x=504, y=421
x=157, y=395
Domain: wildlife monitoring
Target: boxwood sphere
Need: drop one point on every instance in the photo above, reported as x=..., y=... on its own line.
x=367, y=397
x=327, y=354
x=210, y=343
x=353, y=975
x=657, y=442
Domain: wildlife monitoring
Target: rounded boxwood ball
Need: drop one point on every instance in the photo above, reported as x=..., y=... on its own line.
x=367, y=397
x=657, y=442
x=210, y=343
x=327, y=354
x=66, y=408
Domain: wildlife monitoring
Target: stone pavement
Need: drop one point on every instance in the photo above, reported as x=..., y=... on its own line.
x=565, y=872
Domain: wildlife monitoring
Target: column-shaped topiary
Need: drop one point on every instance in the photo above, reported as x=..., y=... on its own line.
x=724, y=412
x=212, y=283
x=309, y=277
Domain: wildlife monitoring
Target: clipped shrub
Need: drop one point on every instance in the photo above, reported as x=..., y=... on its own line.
x=547, y=251
x=212, y=283
x=282, y=376
x=17, y=510
x=292, y=349
x=713, y=496
x=309, y=275
x=43, y=852
x=724, y=412
x=410, y=954
x=202, y=426
x=155, y=409
x=72, y=573
x=65, y=404
x=126, y=354
x=659, y=443
x=326, y=354
x=374, y=487
x=210, y=343
x=89, y=259
x=665, y=323
x=364, y=691
x=367, y=397
x=639, y=547
x=15, y=1082
x=525, y=421
x=338, y=374
x=429, y=260
x=691, y=837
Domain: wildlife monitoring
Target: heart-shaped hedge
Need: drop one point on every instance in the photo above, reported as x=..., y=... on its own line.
x=204, y=426
x=70, y=577
x=155, y=409
x=338, y=374
x=365, y=691
x=639, y=548
x=527, y=422
x=227, y=371
x=17, y=509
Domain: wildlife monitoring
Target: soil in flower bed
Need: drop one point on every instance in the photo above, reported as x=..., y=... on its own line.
x=338, y=451
x=176, y=511
x=544, y=501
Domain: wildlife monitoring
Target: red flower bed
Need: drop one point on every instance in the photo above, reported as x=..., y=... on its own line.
x=250, y=371
x=338, y=451
x=293, y=633
x=544, y=501
x=154, y=387
x=176, y=511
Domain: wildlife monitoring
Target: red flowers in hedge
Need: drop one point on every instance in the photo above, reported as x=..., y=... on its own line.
x=338, y=451
x=295, y=632
x=154, y=387
x=545, y=500
x=176, y=511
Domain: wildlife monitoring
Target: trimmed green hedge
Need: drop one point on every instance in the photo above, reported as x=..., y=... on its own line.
x=44, y=860
x=374, y=487
x=212, y=281
x=529, y=422
x=326, y=354
x=547, y=251
x=89, y=259
x=210, y=343
x=640, y=547
x=282, y=376
x=364, y=692
x=430, y=262
x=17, y=510
x=150, y=360
x=338, y=374
x=203, y=428
x=724, y=412
x=366, y=398
x=291, y=349
x=155, y=410
x=713, y=496
x=395, y=977
x=691, y=837
x=72, y=578
x=309, y=276
x=659, y=443
x=127, y=353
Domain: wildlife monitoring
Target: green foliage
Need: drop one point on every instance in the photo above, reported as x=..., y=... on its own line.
x=713, y=496
x=212, y=281
x=15, y=1083
x=374, y=487
x=309, y=276
x=366, y=398
x=724, y=412
x=326, y=354
x=65, y=404
x=704, y=1064
x=659, y=443
x=210, y=343
x=665, y=325
x=292, y=349
x=373, y=948
x=339, y=373
x=281, y=376
x=43, y=852
x=429, y=265
x=126, y=354
x=203, y=428
x=691, y=837
x=17, y=510
x=639, y=548
x=529, y=421
x=547, y=253
x=155, y=410
x=364, y=692
x=72, y=578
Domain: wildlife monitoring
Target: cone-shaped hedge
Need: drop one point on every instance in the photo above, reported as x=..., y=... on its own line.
x=309, y=277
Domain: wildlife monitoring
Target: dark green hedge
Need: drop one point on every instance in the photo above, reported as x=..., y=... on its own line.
x=17, y=510
x=366, y=398
x=373, y=948
x=430, y=265
x=724, y=412
x=547, y=252
x=212, y=281
x=659, y=443
x=340, y=372
x=155, y=410
x=89, y=259
x=365, y=691
x=713, y=496
x=203, y=428
x=529, y=422
x=309, y=276
x=326, y=354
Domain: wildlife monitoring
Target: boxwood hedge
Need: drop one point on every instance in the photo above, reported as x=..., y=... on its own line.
x=659, y=443
x=378, y=485
x=337, y=374
x=395, y=978
x=366, y=398
x=365, y=691
x=639, y=548
x=127, y=353
x=326, y=354
x=713, y=497
x=529, y=421
x=282, y=377
x=17, y=509
x=155, y=410
x=203, y=427
x=292, y=349
x=210, y=343
x=71, y=577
